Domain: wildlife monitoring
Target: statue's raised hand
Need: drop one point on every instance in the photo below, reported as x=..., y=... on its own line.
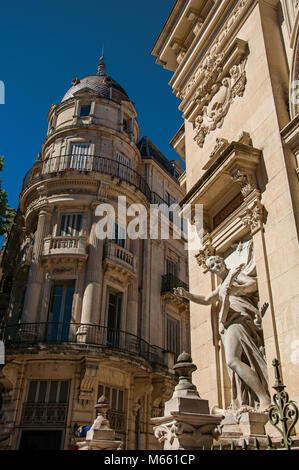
x=180, y=292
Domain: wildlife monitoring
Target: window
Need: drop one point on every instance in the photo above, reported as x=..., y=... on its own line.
x=70, y=225
x=46, y=403
x=60, y=311
x=117, y=403
x=84, y=110
x=119, y=236
x=78, y=157
x=48, y=391
x=169, y=199
x=113, y=318
x=171, y=268
x=173, y=336
x=123, y=169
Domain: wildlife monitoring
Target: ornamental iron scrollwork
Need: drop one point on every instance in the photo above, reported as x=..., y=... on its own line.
x=283, y=410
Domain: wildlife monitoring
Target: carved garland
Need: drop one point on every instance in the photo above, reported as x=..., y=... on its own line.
x=220, y=99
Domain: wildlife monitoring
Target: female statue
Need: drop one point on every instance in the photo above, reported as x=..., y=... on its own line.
x=240, y=331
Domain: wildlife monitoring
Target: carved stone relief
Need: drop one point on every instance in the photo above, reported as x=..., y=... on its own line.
x=220, y=99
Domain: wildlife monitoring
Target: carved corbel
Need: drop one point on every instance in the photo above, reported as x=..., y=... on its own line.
x=89, y=378
x=142, y=387
x=246, y=180
x=254, y=216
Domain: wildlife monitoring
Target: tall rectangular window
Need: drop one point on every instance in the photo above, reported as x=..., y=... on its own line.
x=78, y=157
x=60, y=312
x=70, y=225
x=171, y=268
x=173, y=336
x=123, y=169
x=48, y=391
x=113, y=318
x=119, y=236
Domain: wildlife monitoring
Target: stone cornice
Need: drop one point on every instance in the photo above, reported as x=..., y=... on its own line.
x=222, y=24
x=235, y=161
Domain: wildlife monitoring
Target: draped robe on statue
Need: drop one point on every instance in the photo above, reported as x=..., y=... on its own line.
x=242, y=319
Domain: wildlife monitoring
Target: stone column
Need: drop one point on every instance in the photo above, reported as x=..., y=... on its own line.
x=93, y=285
x=35, y=277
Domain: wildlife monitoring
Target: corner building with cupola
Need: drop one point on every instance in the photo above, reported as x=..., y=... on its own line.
x=80, y=316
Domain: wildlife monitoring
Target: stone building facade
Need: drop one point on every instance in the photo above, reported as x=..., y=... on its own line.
x=235, y=70
x=80, y=316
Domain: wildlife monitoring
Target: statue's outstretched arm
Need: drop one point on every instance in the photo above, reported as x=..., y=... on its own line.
x=198, y=299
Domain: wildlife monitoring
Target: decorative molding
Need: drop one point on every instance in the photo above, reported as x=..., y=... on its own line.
x=246, y=181
x=254, y=216
x=204, y=254
x=220, y=99
x=89, y=378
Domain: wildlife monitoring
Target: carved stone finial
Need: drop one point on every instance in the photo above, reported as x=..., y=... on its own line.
x=184, y=368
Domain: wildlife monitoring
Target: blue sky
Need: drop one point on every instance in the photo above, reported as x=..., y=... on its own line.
x=44, y=45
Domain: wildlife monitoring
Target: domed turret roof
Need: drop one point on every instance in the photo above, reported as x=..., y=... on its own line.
x=101, y=84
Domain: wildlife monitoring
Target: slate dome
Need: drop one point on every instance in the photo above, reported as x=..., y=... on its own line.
x=101, y=84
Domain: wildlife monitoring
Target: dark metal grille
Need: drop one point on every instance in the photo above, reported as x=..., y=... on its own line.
x=44, y=414
x=170, y=282
x=96, y=335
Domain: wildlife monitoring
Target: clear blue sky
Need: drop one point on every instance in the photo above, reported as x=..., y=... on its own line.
x=45, y=44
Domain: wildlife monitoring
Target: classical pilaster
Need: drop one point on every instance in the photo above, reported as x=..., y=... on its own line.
x=35, y=277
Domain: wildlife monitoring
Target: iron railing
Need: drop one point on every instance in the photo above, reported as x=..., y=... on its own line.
x=44, y=414
x=55, y=333
x=91, y=163
x=170, y=282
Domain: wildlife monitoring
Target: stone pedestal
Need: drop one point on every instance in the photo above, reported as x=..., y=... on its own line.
x=100, y=436
x=187, y=423
x=247, y=426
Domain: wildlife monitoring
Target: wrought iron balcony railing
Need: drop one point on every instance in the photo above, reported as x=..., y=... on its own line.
x=170, y=282
x=88, y=163
x=105, y=338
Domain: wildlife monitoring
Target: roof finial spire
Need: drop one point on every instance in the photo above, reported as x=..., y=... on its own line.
x=101, y=66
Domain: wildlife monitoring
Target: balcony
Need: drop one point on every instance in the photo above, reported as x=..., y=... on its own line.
x=43, y=414
x=79, y=335
x=170, y=282
x=86, y=164
x=118, y=259
x=74, y=247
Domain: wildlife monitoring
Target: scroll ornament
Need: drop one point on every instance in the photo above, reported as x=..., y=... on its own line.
x=221, y=97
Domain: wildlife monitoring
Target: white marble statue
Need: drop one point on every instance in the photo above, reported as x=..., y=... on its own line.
x=240, y=330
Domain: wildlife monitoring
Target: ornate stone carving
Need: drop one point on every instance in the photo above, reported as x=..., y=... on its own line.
x=204, y=254
x=213, y=55
x=254, y=216
x=210, y=70
x=187, y=423
x=246, y=181
x=220, y=99
x=89, y=377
